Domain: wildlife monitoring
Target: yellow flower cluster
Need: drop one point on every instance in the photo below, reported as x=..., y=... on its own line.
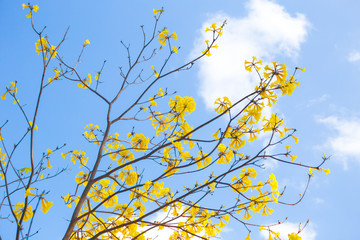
x=90, y=135
x=243, y=183
x=164, y=36
x=2, y=157
x=181, y=107
x=56, y=77
x=139, y=142
x=86, y=82
x=78, y=155
x=33, y=8
x=43, y=46
x=217, y=31
x=223, y=104
x=19, y=209
x=12, y=90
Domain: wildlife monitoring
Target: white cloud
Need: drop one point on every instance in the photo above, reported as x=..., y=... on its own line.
x=319, y=200
x=286, y=228
x=354, y=56
x=345, y=143
x=320, y=99
x=268, y=31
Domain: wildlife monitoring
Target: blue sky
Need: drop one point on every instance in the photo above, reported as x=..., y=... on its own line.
x=321, y=36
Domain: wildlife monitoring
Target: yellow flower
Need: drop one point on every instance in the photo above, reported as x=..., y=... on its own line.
x=164, y=35
x=45, y=205
x=152, y=101
x=272, y=182
x=224, y=105
x=295, y=138
x=279, y=71
x=80, y=155
x=43, y=44
x=86, y=82
x=131, y=178
x=34, y=8
x=28, y=193
x=156, y=11
x=139, y=142
x=12, y=90
x=31, y=123
x=48, y=151
x=87, y=42
x=208, y=47
x=216, y=135
x=68, y=200
x=311, y=170
x=25, y=6
x=175, y=49
x=214, y=28
x=294, y=236
x=19, y=207
x=147, y=185
x=249, y=65
x=161, y=92
x=49, y=166
x=182, y=106
x=156, y=73
x=301, y=69
x=56, y=77
x=64, y=154
x=81, y=178
x=273, y=124
x=248, y=237
x=224, y=157
x=202, y=161
x=2, y=157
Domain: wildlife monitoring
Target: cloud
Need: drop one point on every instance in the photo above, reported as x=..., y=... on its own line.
x=320, y=99
x=286, y=228
x=268, y=31
x=319, y=200
x=354, y=56
x=345, y=141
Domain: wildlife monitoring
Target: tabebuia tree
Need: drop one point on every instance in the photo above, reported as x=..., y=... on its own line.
x=151, y=157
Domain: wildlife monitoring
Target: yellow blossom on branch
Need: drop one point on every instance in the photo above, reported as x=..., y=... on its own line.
x=254, y=63
x=32, y=8
x=19, y=208
x=45, y=205
x=225, y=154
x=155, y=72
x=139, y=142
x=10, y=89
x=223, y=105
x=214, y=28
x=86, y=82
x=56, y=77
x=248, y=237
x=208, y=47
x=164, y=36
x=87, y=42
x=294, y=236
x=29, y=193
x=158, y=11
x=278, y=70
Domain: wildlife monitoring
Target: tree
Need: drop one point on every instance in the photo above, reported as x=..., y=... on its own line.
x=132, y=175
